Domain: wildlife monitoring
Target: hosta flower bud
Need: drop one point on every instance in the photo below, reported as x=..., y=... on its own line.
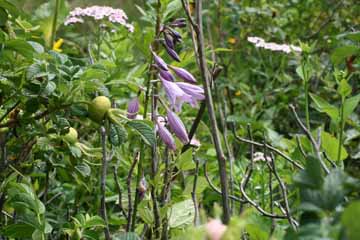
x=167, y=75
x=166, y=136
x=133, y=108
x=177, y=126
x=142, y=188
x=172, y=53
x=183, y=74
x=180, y=23
x=169, y=41
x=160, y=62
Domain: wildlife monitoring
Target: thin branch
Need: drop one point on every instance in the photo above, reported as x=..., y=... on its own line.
x=314, y=143
x=283, y=191
x=215, y=189
x=118, y=188
x=128, y=182
x=193, y=193
x=273, y=149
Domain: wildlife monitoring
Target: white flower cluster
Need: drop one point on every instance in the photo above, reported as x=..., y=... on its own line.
x=259, y=156
x=99, y=13
x=260, y=43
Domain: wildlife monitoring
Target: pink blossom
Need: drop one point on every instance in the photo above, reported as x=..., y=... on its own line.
x=99, y=13
x=215, y=229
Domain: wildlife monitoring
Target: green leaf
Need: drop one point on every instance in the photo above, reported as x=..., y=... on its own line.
x=126, y=236
x=185, y=161
x=117, y=134
x=21, y=47
x=339, y=54
x=181, y=214
x=330, y=145
x=350, y=222
x=310, y=177
x=84, y=169
x=145, y=129
x=344, y=88
x=323, y=106
x=3, y=17
x=350, y=105
x=18, y=231
x=94, y=221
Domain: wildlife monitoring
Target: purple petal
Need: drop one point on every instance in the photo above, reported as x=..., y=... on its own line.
x=177, y=126
x=166, y=137
x=196, y=92
x=183, y=74
x=133, y=108
x=175, y=94
x=180, y=23
x=172, y=53
x=160, y=62
x=169, y=40
x=167, y=75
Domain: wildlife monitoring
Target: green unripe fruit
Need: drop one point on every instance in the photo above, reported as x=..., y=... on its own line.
x=71, y=136
x=98, y=108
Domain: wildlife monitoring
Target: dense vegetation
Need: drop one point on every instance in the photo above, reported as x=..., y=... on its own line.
x=177, y=119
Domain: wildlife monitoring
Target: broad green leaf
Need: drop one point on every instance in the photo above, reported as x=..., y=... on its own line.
x=339, y=54
x=344, y=88
x=94, y=221
x=330, y=145
x=311, y=177
x=323, y=106
x=185, y=161
x=21, y=47
x=181, y=214
x=18, y=231
x=145, y=129
x=350, y=105
x=350, y=222
x=3, y=17
x=126, y=236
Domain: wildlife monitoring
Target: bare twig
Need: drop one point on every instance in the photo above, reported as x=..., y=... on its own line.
x=215, y=189
x=193, y=193
x=283, y=191
x=128, y=182
x=271, y=148
x=314, y=143
x=198, y=29
x=118, y=187
x=103, y=183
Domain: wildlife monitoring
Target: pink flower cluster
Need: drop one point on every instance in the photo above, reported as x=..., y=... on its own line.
x=260, y=43
x=99, y=13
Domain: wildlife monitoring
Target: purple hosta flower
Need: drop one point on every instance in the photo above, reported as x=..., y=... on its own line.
x=166, y=136
x=160, y=62
x=176, y=35
x=166, y=75
x=133, y=108
x=99, y=13
x=260, y=43
x=183, y=74
x=142, y=188
x=180, y=23
x=196, y=92
x=175, y=94
x=169, y=41
x=172, y=52
x=177, y=126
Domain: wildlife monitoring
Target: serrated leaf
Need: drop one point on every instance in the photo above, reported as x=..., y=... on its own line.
x=145, y=129
x=181, y=214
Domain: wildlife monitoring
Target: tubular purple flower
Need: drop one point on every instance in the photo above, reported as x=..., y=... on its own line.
x=160, y=62
x=169, y=40
x=180, y=23
x=167, y=75
x=177, y=126
x=133, y=108
x=196, y=92
x=175, y=95
x=183, y=74
x=166, y=136
x=172, y=53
